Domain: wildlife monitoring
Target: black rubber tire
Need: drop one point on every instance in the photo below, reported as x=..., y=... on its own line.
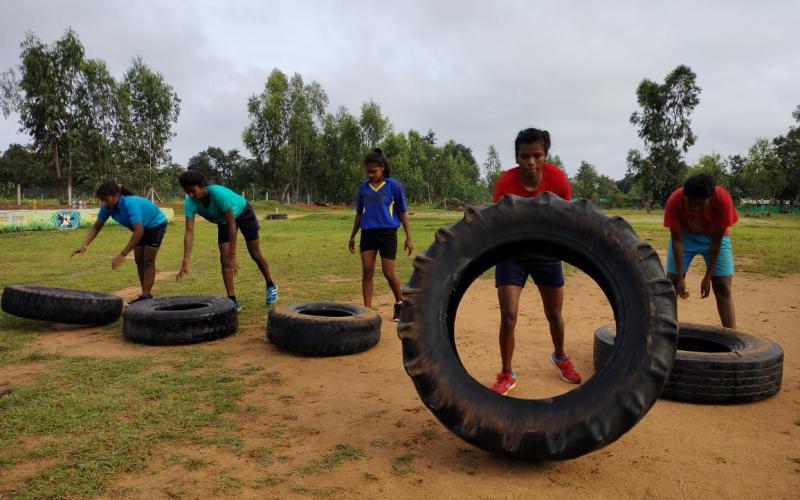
x=275, y=216
x=594, y=414
x=61, y=305
x=323, y=328
x=171, y=321
x=749, y=369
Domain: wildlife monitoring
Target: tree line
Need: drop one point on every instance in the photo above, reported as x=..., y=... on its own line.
x=86, y=126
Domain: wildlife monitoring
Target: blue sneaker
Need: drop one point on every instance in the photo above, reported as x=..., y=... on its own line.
x=237, y=304
x=272, y=294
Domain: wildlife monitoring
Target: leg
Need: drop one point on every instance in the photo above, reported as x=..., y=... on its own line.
x=367, y=271
x=149, y=259
x=227, y=275
x=508, y=296
x=254, y=249
x=552, y=301
x=138, y=256
x=388, y=268
x=723, y=288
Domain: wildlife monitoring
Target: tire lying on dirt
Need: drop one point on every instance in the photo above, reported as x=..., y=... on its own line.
x=587, y=418
x=61, y=305
x=713, y=364
x=179, y=320
x=323, y=328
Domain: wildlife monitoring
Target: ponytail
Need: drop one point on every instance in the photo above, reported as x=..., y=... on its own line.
x=376, y=157
x=110, y=188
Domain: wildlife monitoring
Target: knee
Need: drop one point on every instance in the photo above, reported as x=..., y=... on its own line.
x=508, y=319
x=140, y=261
x=367, y=272
x=722, y=290
x=553, y=316
x=149, y=261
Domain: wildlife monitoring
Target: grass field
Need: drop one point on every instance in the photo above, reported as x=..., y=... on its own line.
x=86, y=420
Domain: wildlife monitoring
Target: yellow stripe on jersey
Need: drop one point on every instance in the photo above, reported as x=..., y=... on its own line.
x=376, y=189
x=391, y=208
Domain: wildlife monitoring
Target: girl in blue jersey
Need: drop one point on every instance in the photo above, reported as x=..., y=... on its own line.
x=230, y=212
x=380, y=210
x=146, y=222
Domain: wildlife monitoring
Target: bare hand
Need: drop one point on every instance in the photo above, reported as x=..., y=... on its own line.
x=680, y=288
x=183, y=272
x=230, y=265
x=118, y=260
x=705, y=286
x=352, y=246
x=80, y=249
x=409, y=245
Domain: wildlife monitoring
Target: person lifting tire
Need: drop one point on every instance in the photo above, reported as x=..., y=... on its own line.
x=587, y=418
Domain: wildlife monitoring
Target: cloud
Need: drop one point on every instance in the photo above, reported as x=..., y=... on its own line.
x=472, y=71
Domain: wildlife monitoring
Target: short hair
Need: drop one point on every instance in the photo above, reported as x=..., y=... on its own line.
x=699, y=186
x=192, y=178
x=530, y=136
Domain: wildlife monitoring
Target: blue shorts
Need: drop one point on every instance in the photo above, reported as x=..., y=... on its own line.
x=694, y=244
x=544, y=271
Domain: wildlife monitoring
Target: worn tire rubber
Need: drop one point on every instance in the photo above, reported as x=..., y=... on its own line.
x=168, y=321
x=750, y=370
x=594, y=414
x=61, y=305
x=323, y=328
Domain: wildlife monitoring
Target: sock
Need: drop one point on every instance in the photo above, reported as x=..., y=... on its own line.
x=560, y=358
x=232, y=297
x=270, y=283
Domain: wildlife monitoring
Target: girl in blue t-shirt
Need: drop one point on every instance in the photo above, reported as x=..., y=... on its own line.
x=146, y=222
x=230, y=212
x=380, y=210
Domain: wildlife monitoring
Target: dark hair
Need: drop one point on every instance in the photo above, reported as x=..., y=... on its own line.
x=699, y=186
x=530, y=136
x=192, y=178
x=110, y=188
x=375, y=157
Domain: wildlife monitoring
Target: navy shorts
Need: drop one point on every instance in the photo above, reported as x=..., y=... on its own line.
x=152, y=237
x=545, y=271
x=382, y=240
x=247, y=222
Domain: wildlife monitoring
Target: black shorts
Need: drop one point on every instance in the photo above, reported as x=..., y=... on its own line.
x=152, y=237
x=382, y=240
x=247, y=222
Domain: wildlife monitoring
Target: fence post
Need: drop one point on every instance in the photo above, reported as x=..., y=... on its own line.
x=19, y=194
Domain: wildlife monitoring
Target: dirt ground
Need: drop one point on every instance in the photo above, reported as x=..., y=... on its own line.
x=678, y=450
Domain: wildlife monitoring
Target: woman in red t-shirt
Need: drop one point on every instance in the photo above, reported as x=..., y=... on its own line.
x=531, y=177
x=698, y=216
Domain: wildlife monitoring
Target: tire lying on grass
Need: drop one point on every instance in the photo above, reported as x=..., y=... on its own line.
x=577, y=422
x=179, y=320
x=61, y=305
x=323, y=328
x=713, y=364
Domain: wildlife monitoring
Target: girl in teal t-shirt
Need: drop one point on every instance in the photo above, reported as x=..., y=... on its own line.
x=230, y=212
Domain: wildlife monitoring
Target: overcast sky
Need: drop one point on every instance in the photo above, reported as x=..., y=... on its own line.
x=473, y=71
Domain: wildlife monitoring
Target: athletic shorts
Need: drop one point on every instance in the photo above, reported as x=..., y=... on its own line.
x=382, y=240
x=247, y=223
x=545, y=271
x=152, y=237
x=694, y=244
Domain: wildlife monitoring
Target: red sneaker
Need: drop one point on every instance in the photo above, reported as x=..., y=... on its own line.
x=565, y=369
x=505, y=382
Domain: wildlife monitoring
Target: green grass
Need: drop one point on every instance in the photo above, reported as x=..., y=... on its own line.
x=85, y=421
x=93, y=419
x=341, y=453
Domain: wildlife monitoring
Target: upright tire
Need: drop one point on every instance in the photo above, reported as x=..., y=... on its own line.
x=323, y=328
x=179, y=320
x=585, y=419
x=61, y=305
x=713, y=364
